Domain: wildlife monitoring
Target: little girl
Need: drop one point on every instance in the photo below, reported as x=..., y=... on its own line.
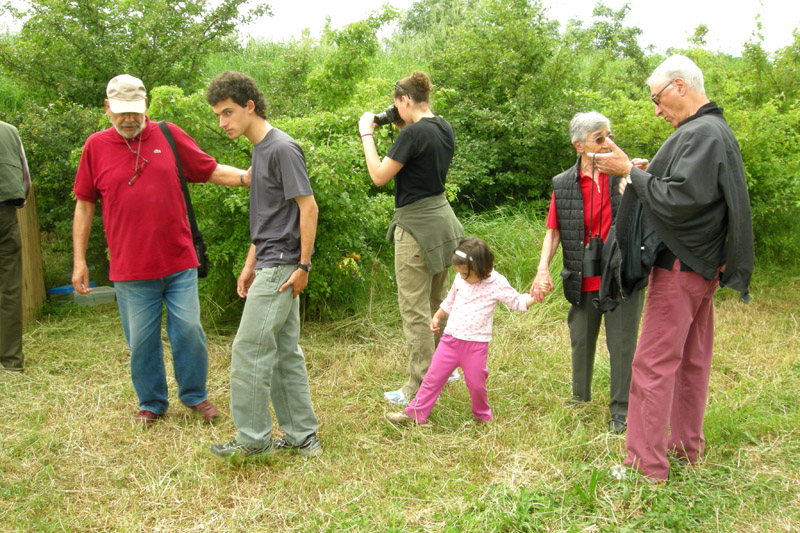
x=465, y=342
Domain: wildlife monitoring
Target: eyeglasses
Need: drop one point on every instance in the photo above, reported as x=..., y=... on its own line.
x=655, y=98
x=137, y=171
x=602, y=138
x=137, y=168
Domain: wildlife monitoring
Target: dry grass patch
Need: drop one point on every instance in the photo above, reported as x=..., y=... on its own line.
x=72, y=459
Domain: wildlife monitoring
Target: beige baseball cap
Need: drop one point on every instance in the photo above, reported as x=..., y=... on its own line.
x=126, y=94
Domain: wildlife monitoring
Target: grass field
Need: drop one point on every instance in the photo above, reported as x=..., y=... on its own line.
x=72, y=460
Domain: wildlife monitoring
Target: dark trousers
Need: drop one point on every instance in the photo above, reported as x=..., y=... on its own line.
x=622, y=330
x=10, y=290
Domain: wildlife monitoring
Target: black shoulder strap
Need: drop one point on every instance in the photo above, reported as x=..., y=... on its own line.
x=189, y=209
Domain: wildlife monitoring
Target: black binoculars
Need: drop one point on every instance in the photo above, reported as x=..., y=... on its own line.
x=592, y=257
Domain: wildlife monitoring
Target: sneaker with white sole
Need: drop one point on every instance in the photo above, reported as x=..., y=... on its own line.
x=310, y=447
x=396, y=397
x=236, y=452
x=455, y=376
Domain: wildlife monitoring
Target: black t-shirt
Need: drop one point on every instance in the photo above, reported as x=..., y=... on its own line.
x=425, y=148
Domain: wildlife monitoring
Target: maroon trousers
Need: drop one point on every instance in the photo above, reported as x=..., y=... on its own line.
x=669, y=382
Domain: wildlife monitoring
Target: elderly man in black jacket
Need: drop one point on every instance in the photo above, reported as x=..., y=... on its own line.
x=694, y=194
x=582, y=208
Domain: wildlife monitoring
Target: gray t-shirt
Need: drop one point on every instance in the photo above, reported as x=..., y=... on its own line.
x=278, y=176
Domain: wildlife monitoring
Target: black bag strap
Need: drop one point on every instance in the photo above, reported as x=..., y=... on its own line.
x=189, y=209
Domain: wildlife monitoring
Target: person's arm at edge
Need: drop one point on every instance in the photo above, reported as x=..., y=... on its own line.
x=308, y=232
x=25, y=170
x=81, y=227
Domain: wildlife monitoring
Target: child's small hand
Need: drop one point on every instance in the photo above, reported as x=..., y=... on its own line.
x=435, y=324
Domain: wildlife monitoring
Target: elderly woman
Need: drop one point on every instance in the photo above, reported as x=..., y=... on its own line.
x=582, y=208
x=424, y=228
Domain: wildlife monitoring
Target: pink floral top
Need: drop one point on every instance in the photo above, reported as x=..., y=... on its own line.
x=471, y=306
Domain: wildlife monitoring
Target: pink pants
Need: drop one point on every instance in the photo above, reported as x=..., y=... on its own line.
x=450, y=354
x=669, y=383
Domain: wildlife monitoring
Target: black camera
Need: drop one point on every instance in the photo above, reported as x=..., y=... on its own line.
x=387, y=117
x=592, y=258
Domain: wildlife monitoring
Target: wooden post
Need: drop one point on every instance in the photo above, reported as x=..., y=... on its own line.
x=33, y=292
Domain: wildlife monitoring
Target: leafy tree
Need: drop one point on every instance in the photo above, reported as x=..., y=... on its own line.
x=787, y=72
x=501, y=76
x=425, y=15
x=351, y=51
x=611, y=36
x=698, y=39
x=608, y=42
x=70, y=48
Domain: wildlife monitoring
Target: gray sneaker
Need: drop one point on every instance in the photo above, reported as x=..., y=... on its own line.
x=237, y=453
x=309, y=448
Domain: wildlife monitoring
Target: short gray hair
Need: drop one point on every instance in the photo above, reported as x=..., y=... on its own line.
x=678, y=66
x=582, y=124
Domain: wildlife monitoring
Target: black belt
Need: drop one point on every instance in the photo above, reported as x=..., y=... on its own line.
x=11, y=203
x=665, y=259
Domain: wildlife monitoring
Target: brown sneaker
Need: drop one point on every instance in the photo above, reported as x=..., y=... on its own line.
x=146, y=418
x=205, y=409
x=399, y=418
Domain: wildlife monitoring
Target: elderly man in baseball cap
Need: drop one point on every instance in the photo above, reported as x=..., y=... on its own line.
x=152, y=256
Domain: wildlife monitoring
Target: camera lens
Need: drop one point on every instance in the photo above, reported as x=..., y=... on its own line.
x=387, y=117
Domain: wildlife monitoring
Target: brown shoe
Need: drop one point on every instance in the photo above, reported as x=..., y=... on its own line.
x=399, y=418
x=146, y=418
x=205, y=409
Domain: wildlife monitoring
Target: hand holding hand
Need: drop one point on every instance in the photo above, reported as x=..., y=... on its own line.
x=542, y=286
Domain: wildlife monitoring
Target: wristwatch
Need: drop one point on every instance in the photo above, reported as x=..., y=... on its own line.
x=307, y=267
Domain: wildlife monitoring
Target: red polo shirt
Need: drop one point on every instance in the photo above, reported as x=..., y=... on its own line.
x=146, y=225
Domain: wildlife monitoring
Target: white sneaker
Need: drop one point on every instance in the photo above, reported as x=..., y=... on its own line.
x=455, y=376
x=396, y=397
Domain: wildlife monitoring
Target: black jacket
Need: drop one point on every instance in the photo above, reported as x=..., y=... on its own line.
x=694, y=194
x=628, y=254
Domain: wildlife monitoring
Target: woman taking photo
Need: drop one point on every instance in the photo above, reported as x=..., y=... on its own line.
x=424, y=228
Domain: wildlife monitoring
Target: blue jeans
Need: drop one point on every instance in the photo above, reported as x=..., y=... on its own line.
x=140, y=304
x=268, y=364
